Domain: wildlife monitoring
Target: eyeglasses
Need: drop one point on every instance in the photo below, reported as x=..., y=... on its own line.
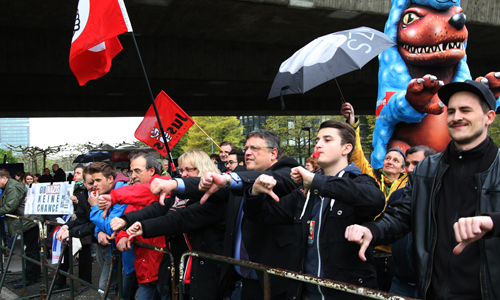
x=138, y=171
x=230, y=162
x=187, y=170
x=255, y=148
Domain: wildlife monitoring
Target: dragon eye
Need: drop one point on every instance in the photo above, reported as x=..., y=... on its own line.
x=409, y=18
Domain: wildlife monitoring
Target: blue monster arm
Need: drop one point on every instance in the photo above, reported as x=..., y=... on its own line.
x=397, y=110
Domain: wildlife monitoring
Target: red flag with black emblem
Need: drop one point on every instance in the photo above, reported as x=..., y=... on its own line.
x=95, y=42
x=174, y=120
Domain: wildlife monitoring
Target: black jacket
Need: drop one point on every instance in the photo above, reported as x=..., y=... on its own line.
x=417, y=212
x=266, y=244
x=82, y=226
x=345, y=200
x=59, y=175
x=204, y=226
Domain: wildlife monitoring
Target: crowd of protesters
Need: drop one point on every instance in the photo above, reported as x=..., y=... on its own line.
x=422, y=226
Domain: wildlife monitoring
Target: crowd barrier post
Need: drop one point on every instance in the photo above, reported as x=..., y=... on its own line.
x=71, y=276
x=328, y=283
x=174, y=287
x=11, y=252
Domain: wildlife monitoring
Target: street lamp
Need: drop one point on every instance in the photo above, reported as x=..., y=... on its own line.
x=308, y=141
x=208, y=139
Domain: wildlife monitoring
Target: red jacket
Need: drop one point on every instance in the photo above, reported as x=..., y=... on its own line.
x=146, y=261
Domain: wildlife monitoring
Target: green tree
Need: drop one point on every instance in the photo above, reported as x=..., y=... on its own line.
x=494, y=131
x=177, y=149
x=293, y=133
x=11, y=157
x=367, y=125
x=32, y=154
x=220, y=129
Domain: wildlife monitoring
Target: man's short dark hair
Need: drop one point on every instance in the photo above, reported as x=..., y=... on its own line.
x=4, y=173
x=240, y=155
x=135, y=152
x=428, y=151
x=151, y=161
x=225, y=143
x=85, y=172
x=214, y=155
x=102, y=167
x=346, y=132
x=272, y=140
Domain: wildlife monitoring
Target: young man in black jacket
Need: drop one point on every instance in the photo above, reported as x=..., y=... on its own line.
x=320, y=211
x=451, y=201
x=81, y=228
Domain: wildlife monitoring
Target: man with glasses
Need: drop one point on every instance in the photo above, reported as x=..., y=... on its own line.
x=145, y=167
x=266, y=244
x=225, y=148
x=236, y=161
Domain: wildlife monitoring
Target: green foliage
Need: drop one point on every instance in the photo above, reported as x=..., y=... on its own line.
x=294, y=140
x=366, y=132
x=494, y=131
x=11, y=157
x=220, y=129
x=177, y=151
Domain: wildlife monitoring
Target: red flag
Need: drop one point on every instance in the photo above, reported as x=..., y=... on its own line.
x=95, y=41
x=174, y=120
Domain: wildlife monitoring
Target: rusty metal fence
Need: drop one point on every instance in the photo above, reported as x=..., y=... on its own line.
x=45, y=266
x=328, y=283
x=176, y=287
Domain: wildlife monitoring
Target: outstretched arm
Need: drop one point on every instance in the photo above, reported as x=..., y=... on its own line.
x=360, y=235
x=469, y=230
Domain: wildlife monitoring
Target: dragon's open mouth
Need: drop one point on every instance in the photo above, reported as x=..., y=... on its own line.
x=438, y=48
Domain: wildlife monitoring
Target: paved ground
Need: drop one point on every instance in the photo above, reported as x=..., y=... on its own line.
x=14, y=273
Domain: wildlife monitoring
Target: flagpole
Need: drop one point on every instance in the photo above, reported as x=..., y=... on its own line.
x=174, y=171
x=210, y=138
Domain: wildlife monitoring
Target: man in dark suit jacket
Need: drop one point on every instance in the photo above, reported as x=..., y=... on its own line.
x=266, y=244
x=46, y=177
x=59, y=174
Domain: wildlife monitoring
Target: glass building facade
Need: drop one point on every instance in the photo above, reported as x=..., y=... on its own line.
x=252, y=122
x=14, y=131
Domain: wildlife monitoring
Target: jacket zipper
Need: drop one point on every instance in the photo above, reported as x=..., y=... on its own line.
x=317, y=246
x=443, y=292
x=481, y=242
x=435, y=237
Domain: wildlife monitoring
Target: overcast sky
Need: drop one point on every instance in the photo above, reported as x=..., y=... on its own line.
x=46, y=132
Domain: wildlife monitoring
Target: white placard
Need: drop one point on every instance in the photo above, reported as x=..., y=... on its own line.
x=49, y=199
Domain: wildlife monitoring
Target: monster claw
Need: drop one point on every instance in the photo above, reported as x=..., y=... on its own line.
x=441, y=104
x=432, y=77
x=484, y=80
x=497, y=75
x=441, y=83
x=420, y=80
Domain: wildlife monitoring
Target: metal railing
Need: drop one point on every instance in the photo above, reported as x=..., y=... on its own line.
x=45, y=266
x=175, y=287
x=328, y=283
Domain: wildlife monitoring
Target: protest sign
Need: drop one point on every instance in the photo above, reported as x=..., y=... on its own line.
x=49, y=199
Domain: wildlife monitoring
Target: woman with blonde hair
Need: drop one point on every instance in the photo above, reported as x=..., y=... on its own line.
x=199, y=159
x=186, y=225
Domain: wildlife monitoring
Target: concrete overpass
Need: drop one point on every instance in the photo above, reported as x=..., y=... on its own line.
x=213, y=57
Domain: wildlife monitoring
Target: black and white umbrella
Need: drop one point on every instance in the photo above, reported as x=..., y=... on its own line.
x=328, y=57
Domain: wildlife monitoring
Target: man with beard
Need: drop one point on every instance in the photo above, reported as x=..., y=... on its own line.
x=450, y=202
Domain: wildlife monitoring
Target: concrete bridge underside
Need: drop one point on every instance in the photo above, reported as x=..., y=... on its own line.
x=214, y=57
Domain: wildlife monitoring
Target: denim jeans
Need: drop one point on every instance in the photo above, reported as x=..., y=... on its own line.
x=402, y=288
x=104, y=256
x=130, y=286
